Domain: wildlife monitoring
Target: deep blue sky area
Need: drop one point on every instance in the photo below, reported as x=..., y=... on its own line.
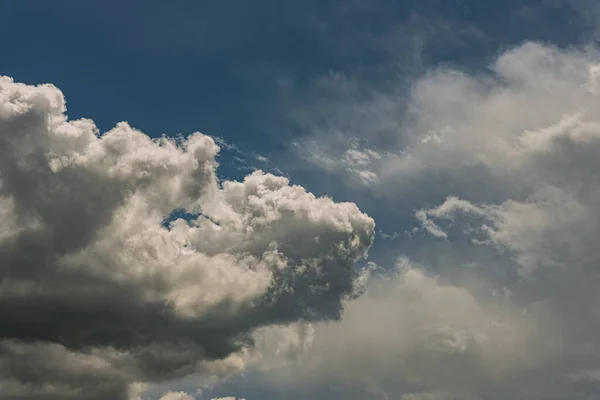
x=218, y=66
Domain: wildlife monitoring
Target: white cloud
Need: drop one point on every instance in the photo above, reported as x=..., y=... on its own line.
x=134, y=300
x=451, y=121
x=177, y=396
x=226, y=398
x=358, y=163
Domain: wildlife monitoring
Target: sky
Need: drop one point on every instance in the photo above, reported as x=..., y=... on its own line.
x=300, y=200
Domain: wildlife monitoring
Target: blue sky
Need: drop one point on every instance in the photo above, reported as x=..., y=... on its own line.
x=333, y=94
x=219, y=67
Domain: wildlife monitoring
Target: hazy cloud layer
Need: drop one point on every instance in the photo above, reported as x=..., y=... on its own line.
x=412, y=331
x=103, y=285
x=515, y=151
x=450, y=120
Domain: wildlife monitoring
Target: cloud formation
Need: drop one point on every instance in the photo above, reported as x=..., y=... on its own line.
x=514, y=152
x=411, y=332
x=176, y=396
x=536, y=124
x=104, y=284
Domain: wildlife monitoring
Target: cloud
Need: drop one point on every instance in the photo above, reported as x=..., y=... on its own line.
x=550, y=229
x=434, y=128
x=358, y=162
x=534, y=123
x=104, y=286
x=185, y=396
x=176, y=396
x=512, y=152
x=411, y=330
x=345, y=121
x=226, y=398
x=429, y=396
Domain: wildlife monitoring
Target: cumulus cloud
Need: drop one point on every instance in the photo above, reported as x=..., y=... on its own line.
x=104, y=284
